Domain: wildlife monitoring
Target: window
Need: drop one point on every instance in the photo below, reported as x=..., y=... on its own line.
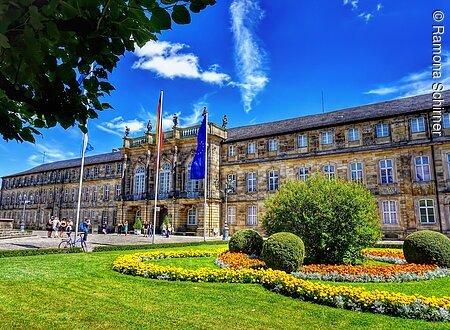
x=108, y=169
x=382, y=130
x=139, y=181
x=422, y=168
x=251, y=215
x=251, y=182
x=96, y=171
x=118, y=190
x=192, y=184
x=356, y=173
x=302, y=141
x=192, y=216
x=303, y=173
x=386, y=171
x=251, y=148
x=446, y=120
x=353, y=134
x=106, y=192
x=231, y=181
x=164, y=178
x=327, y=138
x=389, y=211
x=86, y=194
x=94, y=194
x=105, y=216
x=426, y=210
x=448, y=166
x=119, y=168
x=417, y=125
x=329, y=171
x=273, y=145
x=232, y=151
x=273, y=180
x=231, y=217
x=66, y=195
x=88, y=172
x=72, y=195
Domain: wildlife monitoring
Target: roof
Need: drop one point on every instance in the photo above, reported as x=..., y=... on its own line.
x=96, y=159
x=360, y=113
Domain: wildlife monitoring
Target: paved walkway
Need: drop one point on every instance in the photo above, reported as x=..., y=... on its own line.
x=40, y=240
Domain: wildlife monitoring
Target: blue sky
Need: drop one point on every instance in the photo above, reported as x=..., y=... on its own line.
x=258, y=61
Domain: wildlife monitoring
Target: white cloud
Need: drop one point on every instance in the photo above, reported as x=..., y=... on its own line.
x=365, y=16
x=249, y=55
x=117, y=126
x=415, y=83
x=52, y=154
x=166, y=60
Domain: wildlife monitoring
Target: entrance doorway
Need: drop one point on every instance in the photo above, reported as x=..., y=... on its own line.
x=163, y=212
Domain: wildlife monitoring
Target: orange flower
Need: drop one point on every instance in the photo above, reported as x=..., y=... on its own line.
x=237, y=260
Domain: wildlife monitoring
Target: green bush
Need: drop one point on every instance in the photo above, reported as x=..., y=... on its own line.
x=137, y=224
x=283, y=251
x=247, y=241
x=336, y=219
x=35, y=252
x=427, y=247
x=151, y=246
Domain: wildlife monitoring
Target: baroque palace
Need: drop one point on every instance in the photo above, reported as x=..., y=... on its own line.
x=387, y=146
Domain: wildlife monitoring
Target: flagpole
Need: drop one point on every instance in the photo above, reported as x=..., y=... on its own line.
x=158, y=146
x=205, y=112
x=83, y=152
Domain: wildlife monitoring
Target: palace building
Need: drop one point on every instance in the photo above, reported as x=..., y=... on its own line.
x=389, y=147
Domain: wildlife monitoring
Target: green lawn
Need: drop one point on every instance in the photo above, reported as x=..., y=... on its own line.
x=81, y=291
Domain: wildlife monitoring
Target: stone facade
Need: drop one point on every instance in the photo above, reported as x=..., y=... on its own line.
x=388, y=146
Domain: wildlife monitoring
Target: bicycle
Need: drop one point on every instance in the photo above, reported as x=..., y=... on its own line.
x=70, y=243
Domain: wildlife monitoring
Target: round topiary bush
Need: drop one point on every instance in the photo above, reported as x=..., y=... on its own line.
x=427, y=247
x=247, y=241
x=283, y=251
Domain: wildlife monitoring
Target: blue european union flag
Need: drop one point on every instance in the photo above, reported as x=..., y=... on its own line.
x=89, y=147
x=198, y=164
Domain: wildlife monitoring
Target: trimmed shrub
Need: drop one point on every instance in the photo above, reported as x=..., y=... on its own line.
x=137, y=224
x=106, y=248
x=283, y=251
x=427, y=247
x=336, y=219
x=36, y=252
x=246, y=241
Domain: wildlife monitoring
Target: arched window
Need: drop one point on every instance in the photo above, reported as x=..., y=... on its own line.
x=191, y=185
x=192, y=216
x=139, y=181
x=164, y=178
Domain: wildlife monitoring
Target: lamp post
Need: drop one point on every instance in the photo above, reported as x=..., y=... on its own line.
x=22, y=222
x=228, y=189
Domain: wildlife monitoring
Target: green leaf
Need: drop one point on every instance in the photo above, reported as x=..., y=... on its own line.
x=180, y=15
x=169, y=2
x=161, y=19
x=4, y=41
x=36, y=18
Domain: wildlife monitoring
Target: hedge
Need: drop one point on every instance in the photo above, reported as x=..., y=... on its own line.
x=36, y=252
x=388, y=246
x=152, y=246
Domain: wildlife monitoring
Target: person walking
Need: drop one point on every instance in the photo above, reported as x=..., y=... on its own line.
x=120, y=228
x=164, y=230
x=104, y=227
x=62, y=227
x=150, y=230
x=169, y=230
x=49, y=226
x=84, y=227
x=56, y=226
x=145, y=226
x=125, y=228
x=69, y=227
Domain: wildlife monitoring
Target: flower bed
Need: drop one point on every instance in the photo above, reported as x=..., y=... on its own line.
x=238, y=260
x=353, y=298
x=392, y=256
x=372, y=273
